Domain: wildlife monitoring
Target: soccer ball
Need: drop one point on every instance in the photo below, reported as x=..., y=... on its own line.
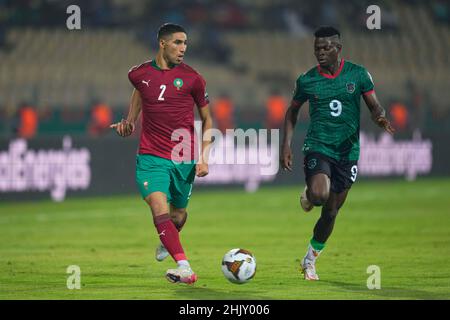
x=238, y=265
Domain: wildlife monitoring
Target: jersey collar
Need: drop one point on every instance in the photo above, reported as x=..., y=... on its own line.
x=331, y=76
x=154, y=65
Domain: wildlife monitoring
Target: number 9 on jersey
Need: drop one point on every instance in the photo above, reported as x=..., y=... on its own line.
x=336, y=108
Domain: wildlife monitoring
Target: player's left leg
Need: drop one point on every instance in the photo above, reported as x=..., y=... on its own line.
x=322, y=232
x=178, y=216
x=325, y=224
x=168, y=234
x=182, y=178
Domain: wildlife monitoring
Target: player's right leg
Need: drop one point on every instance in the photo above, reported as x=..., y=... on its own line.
x=168, y=234
x=179, y=217
x=182, y=177
x=153, y=179
x=317, y=175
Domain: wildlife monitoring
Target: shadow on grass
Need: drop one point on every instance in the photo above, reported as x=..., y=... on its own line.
x=389, y=292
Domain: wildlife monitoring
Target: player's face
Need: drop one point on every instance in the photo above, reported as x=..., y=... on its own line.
x=174, y=47
x=326, y=51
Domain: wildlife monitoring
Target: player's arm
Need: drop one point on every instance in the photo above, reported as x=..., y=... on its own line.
x=201, y=169
x=290, y=121
x=378, y=114
x=126, y=127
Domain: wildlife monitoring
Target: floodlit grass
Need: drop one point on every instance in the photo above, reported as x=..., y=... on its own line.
x=404, y=228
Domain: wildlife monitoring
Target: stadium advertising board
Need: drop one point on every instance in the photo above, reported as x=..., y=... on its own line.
x=58, y=167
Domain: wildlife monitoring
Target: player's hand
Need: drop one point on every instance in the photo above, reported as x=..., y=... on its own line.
x=286, y=158
x=201, y=169
x=123, y=128
x=384, y=123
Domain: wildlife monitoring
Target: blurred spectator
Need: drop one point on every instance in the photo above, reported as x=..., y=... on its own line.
x=197, y=13
x=223, y=111
x=441, y=10
x=101, y=118
x=45, y=113
x=27, y=121
x=230, y=15
x=213, y=47
x=276, y=109
x=329, y=13
x=276, y=21
x=294, y=23
x=389, y=19
x=399, y=115
x=2, y=37
x=416, y=101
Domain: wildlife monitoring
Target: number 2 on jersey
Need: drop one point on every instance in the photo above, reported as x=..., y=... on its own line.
x=163, y=88
x=336, y=108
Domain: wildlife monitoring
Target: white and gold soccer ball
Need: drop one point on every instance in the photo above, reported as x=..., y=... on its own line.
x=239, y=265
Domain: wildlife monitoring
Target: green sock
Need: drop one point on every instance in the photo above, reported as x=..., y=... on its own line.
x=318, y=246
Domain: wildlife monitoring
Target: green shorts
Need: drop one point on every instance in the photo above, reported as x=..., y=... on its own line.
x=172, y=178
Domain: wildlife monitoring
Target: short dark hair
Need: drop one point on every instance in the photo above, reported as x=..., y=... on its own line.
x=327, y=31
x=169, y=28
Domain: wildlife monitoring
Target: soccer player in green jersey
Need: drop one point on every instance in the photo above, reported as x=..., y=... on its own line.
x=331, y=147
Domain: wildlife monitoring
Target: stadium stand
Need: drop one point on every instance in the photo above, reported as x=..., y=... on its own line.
x=245, y=47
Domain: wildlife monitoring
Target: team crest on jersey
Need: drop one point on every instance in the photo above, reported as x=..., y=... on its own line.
x=312, y=164
x=178, y=83
x=350, y=87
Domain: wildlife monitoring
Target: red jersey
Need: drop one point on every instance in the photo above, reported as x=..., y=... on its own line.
x=168, y=98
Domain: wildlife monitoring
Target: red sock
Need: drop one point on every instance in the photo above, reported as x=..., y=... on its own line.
x=169, y=236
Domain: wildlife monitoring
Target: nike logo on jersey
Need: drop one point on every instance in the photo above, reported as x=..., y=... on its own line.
x=163, y=233
x=146, y=82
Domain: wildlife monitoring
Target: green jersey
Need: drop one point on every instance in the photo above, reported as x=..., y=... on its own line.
x=334, y=108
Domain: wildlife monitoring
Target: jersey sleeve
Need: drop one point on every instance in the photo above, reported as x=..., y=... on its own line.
x=299, y=95
x=199, y=92
x=132, y=76
x=367, y=85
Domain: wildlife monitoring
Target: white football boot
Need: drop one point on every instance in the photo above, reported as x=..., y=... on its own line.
x=161, y=252
x=182, y=274
x=304, y=202
x=309, y=270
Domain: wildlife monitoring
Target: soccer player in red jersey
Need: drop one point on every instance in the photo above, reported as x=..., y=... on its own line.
x=165, y=92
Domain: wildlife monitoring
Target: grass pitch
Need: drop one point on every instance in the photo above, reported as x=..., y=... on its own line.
x=404, y=228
